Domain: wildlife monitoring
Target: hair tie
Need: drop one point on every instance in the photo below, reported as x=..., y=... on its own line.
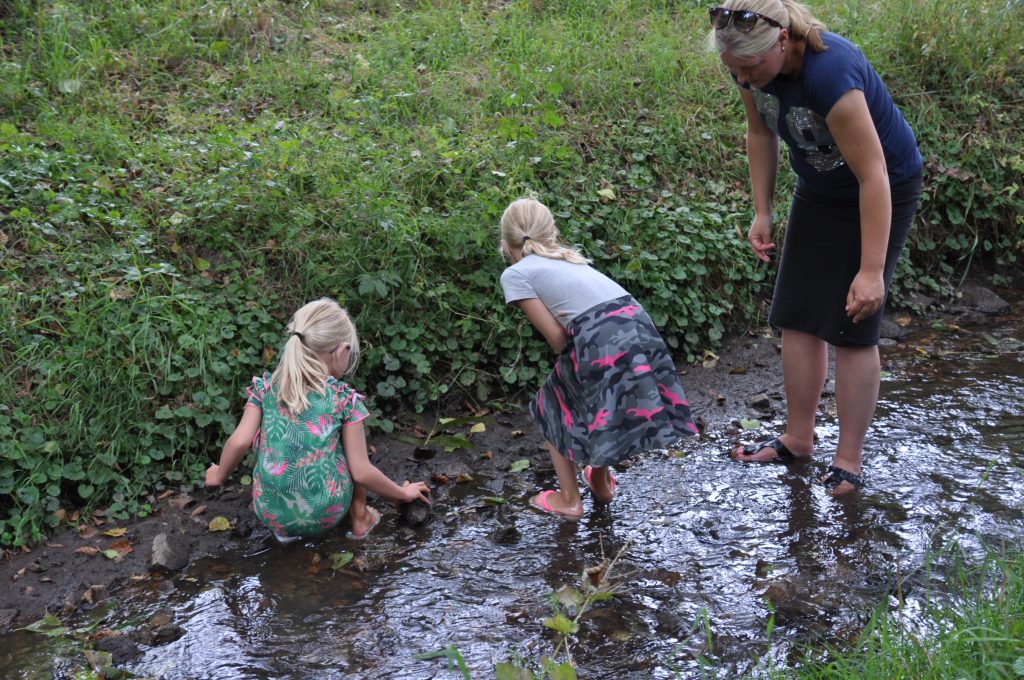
x=301, y=339
x=526, y=238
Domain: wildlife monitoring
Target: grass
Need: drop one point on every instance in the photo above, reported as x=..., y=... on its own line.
x=973, y=629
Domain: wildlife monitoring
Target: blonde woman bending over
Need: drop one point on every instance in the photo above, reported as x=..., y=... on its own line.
x=858, y=183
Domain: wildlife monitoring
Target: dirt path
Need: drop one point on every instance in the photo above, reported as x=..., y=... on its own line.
x=71, y=570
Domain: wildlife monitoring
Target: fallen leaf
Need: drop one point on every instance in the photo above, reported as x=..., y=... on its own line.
x=515, y=433
x=487, y=454
x=123, y=547
x=54, y=545
x=94, y=594
x=438, y=478
x=119, y=531
x=479, y=427
x=198, y=511
x=111, y=554
x=339, y=560
x=49, y=625
x=165, y=494
x=87, y=550
x=463, y=478
x=181, y=501
x=519, y=465
x=219, y=524
x=750, y=423
x=87, y=532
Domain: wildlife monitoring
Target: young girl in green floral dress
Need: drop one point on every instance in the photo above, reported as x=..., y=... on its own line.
x=306, y=428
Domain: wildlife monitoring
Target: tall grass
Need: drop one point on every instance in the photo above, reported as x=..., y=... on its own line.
x=974, y=629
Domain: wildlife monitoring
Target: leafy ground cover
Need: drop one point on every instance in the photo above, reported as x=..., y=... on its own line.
x=177, y=177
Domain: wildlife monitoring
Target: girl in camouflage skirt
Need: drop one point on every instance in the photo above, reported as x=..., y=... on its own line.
x=614, y=390
x=306, y=427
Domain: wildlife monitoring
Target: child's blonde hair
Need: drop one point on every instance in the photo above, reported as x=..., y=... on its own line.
x=319, y=327
x=528, y=224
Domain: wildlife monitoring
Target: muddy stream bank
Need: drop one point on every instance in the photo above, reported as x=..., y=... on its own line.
x=711, y=549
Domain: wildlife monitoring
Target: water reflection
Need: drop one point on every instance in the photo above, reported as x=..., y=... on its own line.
x=713, y=550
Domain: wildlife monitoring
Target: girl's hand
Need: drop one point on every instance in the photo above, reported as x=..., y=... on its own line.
x=413, y=491
x=215, y=476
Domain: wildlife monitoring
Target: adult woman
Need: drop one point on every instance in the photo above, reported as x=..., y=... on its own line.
x=858, y=184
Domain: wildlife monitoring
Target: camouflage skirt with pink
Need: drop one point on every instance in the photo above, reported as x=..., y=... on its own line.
x=614, y=391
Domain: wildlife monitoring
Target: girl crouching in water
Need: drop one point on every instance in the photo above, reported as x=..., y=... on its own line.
x=304, y=482
x=614, y=390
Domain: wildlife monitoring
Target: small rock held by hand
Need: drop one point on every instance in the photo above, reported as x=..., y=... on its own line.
x=415, y=514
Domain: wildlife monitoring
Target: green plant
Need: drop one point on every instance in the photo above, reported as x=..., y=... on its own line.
x=177, y=177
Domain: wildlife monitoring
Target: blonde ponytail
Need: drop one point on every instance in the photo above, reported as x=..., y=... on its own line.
x=318, y=328
x=528, y=224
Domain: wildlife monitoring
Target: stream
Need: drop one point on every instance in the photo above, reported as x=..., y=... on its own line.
x=709, y=551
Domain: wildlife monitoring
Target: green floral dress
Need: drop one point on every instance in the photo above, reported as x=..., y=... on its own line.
x=301, y=484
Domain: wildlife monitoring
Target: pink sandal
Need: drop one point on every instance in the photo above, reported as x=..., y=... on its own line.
x=540, y=501
x=587, y=471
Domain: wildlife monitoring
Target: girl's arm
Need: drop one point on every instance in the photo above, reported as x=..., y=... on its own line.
x=850, y=123
x=365, y=473
x=234, y=450
x=763, y=164
x=542, y=320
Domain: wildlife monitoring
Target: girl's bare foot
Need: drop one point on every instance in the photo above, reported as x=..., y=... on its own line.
x=364, y=522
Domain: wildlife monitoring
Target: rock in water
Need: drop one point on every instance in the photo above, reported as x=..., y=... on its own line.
x=415, y=514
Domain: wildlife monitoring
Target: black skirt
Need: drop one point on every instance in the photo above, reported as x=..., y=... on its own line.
x=821, y=257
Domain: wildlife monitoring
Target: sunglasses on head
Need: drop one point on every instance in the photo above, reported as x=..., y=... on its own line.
x=741, y=19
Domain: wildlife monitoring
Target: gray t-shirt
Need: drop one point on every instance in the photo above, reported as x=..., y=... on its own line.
x=562, y=286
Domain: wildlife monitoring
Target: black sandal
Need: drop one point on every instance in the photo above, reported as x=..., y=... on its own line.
x=837, y=476
x=784, y=454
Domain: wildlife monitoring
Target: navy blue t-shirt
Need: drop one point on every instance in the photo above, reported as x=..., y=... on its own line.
x=803, y=101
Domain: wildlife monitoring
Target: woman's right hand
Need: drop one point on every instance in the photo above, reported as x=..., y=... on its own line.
x=413, y=491
x=760, y=237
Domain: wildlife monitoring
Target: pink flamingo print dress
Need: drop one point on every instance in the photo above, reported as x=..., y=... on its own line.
x=301, y=483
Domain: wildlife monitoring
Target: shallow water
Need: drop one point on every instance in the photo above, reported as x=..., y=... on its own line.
x=710, y=549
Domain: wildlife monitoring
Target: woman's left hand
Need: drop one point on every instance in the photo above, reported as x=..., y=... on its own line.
x=866, y=295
